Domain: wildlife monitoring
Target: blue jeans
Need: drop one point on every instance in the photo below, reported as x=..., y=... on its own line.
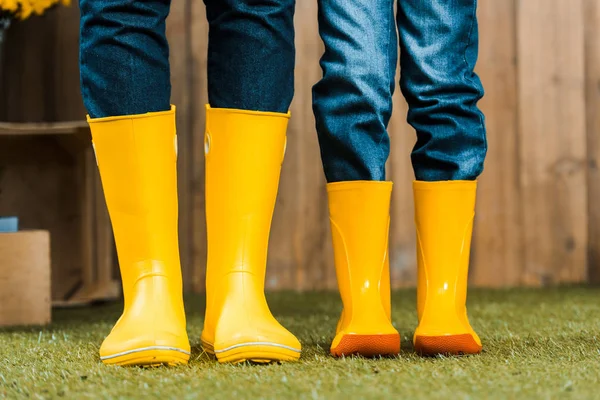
x=124, y=56
x=353, y=101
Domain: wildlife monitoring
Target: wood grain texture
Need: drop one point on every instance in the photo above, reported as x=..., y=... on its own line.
x=497, y=251
x=31, y=90
x=88, y=210
x=80, y=128
x=552, y=140
x=402, y=247
x=40, y=184
x=43, y=178
x=592, y=67
x=530, y=157
x=25, y=278
x=300, y=250
x=199, y=97
x=179, y=36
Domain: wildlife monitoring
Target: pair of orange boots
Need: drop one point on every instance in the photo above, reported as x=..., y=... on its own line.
x=137, y=156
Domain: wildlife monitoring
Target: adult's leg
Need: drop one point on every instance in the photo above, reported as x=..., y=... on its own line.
x=439, y=44
x=125, y=86
x=250, y=83
x=251, y=54
x=352, y=105
x=124, y=57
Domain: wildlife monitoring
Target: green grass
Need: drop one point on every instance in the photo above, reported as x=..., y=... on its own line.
x=537, y=344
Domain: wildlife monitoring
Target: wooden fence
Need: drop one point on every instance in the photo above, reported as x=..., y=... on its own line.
x=538, y=219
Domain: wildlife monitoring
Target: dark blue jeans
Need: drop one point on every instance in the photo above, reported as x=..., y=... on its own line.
x=124, y=70
x=124, y=55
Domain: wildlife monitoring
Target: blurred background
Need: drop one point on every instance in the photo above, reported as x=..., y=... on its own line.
x=538, y=217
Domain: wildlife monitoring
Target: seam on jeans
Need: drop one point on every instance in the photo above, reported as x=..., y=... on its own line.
x=470, y=33
x=468, y=68
x=391, y=25
x=82, y=76
x=130, y=81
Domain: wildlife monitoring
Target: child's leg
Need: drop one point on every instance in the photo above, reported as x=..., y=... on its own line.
x=352, y=105
x=439, y=44
x=126, y=89
x=251, y=83
x=353, y=101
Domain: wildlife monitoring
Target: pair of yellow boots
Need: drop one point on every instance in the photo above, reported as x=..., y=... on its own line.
x=136, y=157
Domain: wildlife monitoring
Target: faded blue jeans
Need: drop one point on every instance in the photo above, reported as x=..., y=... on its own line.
x=125, y=70
x=353, y=101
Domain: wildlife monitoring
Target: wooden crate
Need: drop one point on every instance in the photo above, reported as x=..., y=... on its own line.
x=25, y=278
x=50, y=180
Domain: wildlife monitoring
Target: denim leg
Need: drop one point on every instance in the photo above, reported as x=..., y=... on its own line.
x=439, y=45
x=353, y=101
x=124, y=57
x=251, y=54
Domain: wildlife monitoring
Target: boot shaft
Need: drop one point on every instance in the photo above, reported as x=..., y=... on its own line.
x=136, y=157
x=359, y=217
x=244, y=152
x=444, y=213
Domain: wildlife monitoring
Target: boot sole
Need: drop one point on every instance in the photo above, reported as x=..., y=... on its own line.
x=368, y=345
x=446, y=345
x=258, y=352
x=148, y=357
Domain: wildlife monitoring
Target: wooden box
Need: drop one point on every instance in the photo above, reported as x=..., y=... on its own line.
x=25, y=278
x=48, y=174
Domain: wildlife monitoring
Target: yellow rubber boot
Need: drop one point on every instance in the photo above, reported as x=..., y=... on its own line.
x=136, y=157
x=244, y=151
x=360, y=218
x=444, y=214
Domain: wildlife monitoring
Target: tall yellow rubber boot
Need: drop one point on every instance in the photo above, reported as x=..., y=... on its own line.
x=244, y=151
x=136, y=157
x=444, y=214
x=360, y=219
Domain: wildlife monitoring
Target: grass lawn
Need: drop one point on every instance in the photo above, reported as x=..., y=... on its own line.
x=537, y=344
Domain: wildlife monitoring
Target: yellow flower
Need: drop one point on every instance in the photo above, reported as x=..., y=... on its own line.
x=9, y=5
x=40, y=6
x=24, y=8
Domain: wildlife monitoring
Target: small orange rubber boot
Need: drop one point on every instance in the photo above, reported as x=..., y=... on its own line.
x=444, y=214
x=360, y=219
